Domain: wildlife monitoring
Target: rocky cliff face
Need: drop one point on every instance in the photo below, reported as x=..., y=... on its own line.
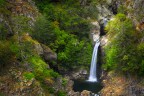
x=16, y=78
x=121, y=85
x=25, y=8
x=135, y=12
x=14, y=8
x=114, y=83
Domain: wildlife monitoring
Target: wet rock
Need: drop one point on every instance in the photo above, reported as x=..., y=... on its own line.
x=80, y=74
x=95, y=32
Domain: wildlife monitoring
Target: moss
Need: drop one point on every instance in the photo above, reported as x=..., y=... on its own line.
x=28, y=75
x=1, y=94
x=48, y=89
x=61, y=93
x=64, y=81
x=40, y=69
x=28, y=38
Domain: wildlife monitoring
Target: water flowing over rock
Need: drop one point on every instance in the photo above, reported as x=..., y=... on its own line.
x=93, y=77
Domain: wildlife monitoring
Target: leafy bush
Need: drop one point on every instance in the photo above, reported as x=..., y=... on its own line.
x=64, y=81
x=3, y=31
x=68, y=19
x=6, y=55
x=21, y=25
x=65, y=31
x=51, y=90
x=44, y=31
x=40, y=69
x=2, y=2
x=125, y=52
x=61, y=93
x=64, y=44
x=23, y=50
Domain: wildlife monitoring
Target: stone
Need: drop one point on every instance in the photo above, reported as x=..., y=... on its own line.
x=104, y=40
x=85, y=93
x=48, y=54
x=83, y=72
x=95, y=32
x=80, y=74
x=38, y=48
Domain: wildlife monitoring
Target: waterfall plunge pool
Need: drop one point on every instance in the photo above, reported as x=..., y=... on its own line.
x=80, y=85
x=91, y=84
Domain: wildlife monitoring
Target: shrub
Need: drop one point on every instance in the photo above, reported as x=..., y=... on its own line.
x=21, y=25
x=6, y=55
x=28, y=75
x=3, y=32
x=2, y=2
x=61, y=93
x=51, y=90
x=40, y=69
x=123, y=53
x=65, y=31
x=64, y=81
x=44, y=31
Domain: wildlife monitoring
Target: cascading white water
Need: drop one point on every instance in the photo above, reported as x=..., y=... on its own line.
x=92, y=76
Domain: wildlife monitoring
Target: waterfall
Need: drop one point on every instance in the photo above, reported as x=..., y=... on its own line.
x=92, y=76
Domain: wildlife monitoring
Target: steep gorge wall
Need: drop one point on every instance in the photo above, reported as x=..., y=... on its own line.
x=16, y=8
x=135, y=11
x=116, y=84
x=14, y=14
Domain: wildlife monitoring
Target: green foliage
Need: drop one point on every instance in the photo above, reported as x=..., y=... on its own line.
x=44, y=30
x=1, y=94
x=125, y=52
x=40, y=69
x=3, y=31
x=110, y=58
x=68, y=19
x=64, y=81
x=64, y=30
x=61, y=93
x=28, y=75
x=2, y=2
x=21, y=25
x=72, y=52
x=6, y=55
x=48, y=89
x=38, y=64
x=90, y=11
x=122, y=9
x=51, y=90
x=23, y=50
x=15, y=48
